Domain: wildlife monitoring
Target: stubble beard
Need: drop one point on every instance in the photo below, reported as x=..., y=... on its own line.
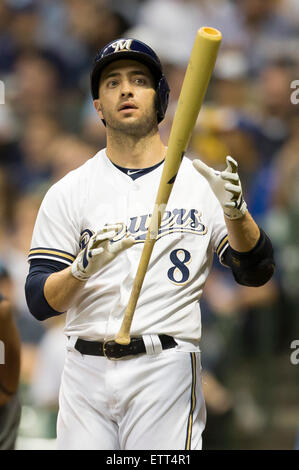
x=142, y=127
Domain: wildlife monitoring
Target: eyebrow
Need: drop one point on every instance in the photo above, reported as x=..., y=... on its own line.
x=117, y=74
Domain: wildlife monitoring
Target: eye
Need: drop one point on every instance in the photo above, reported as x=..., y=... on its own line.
x=112, y=83
x=140, y=81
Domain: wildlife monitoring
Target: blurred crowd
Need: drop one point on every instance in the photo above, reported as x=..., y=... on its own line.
x=48, y=127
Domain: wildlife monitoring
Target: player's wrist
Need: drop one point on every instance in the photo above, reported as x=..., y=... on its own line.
x=237, y=212
x=78, y=274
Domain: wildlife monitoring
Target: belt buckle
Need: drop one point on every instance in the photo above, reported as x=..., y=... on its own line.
x=106, y=354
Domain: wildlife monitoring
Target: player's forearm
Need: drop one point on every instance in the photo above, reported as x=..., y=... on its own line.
x=243, y=233
x=60, y=289
x=10, y=370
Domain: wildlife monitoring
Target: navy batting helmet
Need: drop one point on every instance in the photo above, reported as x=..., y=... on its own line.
x=135, y=50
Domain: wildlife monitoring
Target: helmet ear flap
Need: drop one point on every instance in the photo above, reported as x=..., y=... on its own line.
x=162, y=96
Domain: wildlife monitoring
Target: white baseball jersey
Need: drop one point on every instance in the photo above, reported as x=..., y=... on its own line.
x=192, y=229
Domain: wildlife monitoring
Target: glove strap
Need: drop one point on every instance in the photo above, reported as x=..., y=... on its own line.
x=237, y=212
x=78, y=274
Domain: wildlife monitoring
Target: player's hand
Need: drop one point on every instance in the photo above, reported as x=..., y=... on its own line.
x=226, y=186
x=99, y=251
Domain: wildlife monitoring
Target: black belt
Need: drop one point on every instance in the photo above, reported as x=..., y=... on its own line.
x=113, y=350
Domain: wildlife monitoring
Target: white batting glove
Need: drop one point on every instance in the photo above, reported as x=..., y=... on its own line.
x=99, y=251
x=226, y=186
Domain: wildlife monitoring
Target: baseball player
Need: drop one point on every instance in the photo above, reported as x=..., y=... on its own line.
x=84, y=255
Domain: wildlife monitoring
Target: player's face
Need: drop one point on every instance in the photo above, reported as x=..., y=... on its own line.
x=127, y=98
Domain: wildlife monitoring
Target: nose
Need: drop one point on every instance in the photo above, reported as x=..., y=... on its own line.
x=126, y=89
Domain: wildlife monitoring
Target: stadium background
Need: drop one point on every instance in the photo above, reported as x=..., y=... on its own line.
x=48, y=127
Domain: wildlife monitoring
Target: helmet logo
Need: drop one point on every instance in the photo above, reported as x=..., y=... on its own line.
x=122, y=45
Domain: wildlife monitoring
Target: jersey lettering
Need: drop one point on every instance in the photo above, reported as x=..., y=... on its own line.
x=176, y=221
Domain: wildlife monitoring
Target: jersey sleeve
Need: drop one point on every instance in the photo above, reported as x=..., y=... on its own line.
x=219, y=234
x=56, y=232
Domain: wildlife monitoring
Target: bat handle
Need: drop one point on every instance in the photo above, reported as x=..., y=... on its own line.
x=123, y=336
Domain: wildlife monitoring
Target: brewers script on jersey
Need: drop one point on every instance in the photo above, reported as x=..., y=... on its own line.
x=193, y=227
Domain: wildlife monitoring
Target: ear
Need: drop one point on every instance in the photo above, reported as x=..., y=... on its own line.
x=98, y=108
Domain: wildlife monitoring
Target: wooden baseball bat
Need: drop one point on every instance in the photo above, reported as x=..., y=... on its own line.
x=197, y=77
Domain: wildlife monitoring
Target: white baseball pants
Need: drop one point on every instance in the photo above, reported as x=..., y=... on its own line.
x=146, y=402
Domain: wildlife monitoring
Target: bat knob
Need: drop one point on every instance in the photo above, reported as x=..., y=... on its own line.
x=122, y=339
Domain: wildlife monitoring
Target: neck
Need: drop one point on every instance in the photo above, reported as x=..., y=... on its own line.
x=135, y=152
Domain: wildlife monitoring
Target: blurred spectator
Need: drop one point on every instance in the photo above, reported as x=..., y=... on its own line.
x=290, y=10
x=13, y=252
x=23, y=25
x=94, y=23
x=274, y=90
x=66, y=152
x=218, y=134
x=270, y=129
x=7, y=197
x=266, y=33
x=286, y=192
x=38, y=133
x=7, y=54
x=36, y=85
x=6, y=285
x=283, y=224
x=84, y=27
x=10, y=409
x=173, y=38
x=14, y=255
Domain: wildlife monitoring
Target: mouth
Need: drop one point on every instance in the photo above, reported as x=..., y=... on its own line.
x=127, y=106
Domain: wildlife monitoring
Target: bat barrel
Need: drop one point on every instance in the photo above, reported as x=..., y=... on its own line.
x=198, y=73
